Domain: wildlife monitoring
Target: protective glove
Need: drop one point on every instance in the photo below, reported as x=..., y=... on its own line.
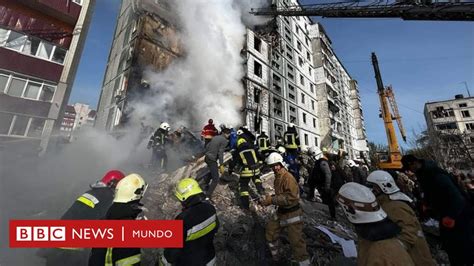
x=266, y=201
x=221, y=169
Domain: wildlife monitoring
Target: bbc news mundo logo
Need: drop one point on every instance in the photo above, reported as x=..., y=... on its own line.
x=94, y=233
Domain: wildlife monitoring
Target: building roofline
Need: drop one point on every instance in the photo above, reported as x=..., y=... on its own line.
x=451, y=100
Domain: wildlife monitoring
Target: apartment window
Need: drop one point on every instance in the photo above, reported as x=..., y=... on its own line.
x=288, y=38
x=300, y=61
x=287, y=30
x=276, y=78
x=290, y=68
x=36, y=128
x=257, y=69
x=307, y=41
x=276, y=88
x=275, y=65
x=304, y=118
x=311, y=87
x=19, y=125
x=312, y=104
x=292, y=109
x=256, y=95
x=292, y=119
x=462, y=105
x=5, y=122
x=292, y=96
x=290, y=76
x=16, y=87
x=470, y=126
x=306, y=139
x=291, y=88
x=32, y=90
x=286, y=20
x=301, y=79
x=298, y=45
x=315, y=141
x=257, y=44
x=15, y=40
x=297, y=30
x=465, y=113
x=23, y=87
x=314, y=122
x=302, y=97
x=308, y=56
x=310, y=70
x=45, y=50
x=448, y=126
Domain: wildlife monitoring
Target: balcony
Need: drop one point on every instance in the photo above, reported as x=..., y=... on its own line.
x=65, y=10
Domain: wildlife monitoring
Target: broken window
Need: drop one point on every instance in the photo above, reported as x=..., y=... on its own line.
x=470, y=126
x=276, y=78
x=448, y=126
x=257, y=69
x=465, y=113
x=257, y=44
x=256, y=94
x=277, y=88
x=462, y=105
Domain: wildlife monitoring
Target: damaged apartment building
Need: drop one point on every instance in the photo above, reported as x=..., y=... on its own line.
x=286, y=79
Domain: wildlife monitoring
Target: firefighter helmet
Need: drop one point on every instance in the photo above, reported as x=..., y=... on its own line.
x=359, y=204
x=314, y=151
x=274, y=158
x=165, y=126
x=130, y=188
x=186, y=188
x=384, y=181
x=112, y=177
x=281, y=150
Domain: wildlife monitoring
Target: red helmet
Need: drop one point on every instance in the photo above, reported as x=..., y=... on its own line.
x=112, y=177
x=210, y=121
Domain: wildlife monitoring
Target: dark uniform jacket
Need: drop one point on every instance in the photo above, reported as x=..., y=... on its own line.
x=263, y=142
x=159, y=140
x=321, y=174
x=127, y=256
x=92, y=205
x=200, y=225
x=291, y=139
x=249, y=158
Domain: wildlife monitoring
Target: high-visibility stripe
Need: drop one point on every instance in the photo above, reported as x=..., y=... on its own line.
x=290, y=220
x=86, y=201
x=108, y=257
x=290, y=139
x=202, y=229
x=244, y=193
x=128, y=261
x=257, y=180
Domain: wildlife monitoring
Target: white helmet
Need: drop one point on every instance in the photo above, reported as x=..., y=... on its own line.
x=384, y=181
x=359, y=204
x=130, y=188
x=274, y=158
x=351, y=163
x=281, y=150
x=314, y=151
x=165, y=126
x=240, y=132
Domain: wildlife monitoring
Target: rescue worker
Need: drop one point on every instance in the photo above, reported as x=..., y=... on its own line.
x=357, y=175
x=245, y=133
x=92, y=205
x=214, y=158
x=158, y=143
x=200, y=224
x=289, y=213
x=321, y=178
x=378, y=242
x=263, y=142
x=247, y=156
x=449, y=206
x=291, y=139
x=396, y=204
x=208, y=132
x=126, y=206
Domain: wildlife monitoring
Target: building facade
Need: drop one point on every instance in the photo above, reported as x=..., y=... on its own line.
x=284, y=77
x=451, y=130
x=68, y=121
x=40, y=46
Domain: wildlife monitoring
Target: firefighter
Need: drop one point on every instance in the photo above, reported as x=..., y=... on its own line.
x=289, y=213
x=245, y=133
x=396, y=205
x=92, y=205
x=247, y=156
x=208, y=132
x=291, y=139
x=200, y=225
x=321, y=178
x=126, y=206
x=158, y=143
x=378, y=242
x=263, y=142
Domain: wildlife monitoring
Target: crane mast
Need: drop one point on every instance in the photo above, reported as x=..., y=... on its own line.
x=394, y=154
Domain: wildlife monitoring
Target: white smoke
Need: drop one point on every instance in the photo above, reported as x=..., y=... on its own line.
x=207, y=81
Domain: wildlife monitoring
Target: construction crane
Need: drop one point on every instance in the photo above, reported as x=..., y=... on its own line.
x=389, y=112
x=407, y=10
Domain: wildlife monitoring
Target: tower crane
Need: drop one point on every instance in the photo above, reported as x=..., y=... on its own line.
x=389, y=112
x=453, y=10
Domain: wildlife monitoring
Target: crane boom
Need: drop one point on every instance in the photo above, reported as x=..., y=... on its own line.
x=396, y=113
x=394, y=154
x=407, y=10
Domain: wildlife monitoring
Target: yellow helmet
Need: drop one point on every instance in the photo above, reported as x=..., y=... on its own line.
x=130, y=188
x=240, y=141
x=186, y=188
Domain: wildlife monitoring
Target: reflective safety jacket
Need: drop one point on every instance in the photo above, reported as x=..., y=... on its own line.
x=118, y=256
x=209, y=131
x=291, y=139
x=263, y=142
x=200, y=225
x=287, y=197
x=247, y=156
x=92, y=205
x=159, y=139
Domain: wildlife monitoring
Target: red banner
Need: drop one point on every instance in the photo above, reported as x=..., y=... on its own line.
x=96, y=233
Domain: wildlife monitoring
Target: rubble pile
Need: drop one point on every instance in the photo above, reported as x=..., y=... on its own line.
x=241, y=236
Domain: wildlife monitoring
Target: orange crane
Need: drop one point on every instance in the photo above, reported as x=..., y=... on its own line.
x=387, y=102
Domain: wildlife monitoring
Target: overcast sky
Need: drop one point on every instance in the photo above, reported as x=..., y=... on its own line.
x=424, y=61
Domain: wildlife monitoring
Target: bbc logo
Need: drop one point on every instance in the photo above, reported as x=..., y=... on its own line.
x=41, y=233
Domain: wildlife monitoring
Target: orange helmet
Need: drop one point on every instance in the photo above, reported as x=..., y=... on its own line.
x=112, y=177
